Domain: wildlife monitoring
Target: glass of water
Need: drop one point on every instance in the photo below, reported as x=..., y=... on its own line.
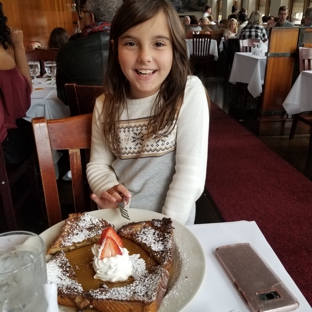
x=22, y=271
x=34, y=69
x=50, y=68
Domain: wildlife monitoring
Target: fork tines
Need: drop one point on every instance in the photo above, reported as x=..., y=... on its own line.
x=123, y=208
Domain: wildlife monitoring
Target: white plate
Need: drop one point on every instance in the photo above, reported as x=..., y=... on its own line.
x=190, y=262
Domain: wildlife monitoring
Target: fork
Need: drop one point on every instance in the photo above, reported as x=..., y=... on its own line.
x=123, y=206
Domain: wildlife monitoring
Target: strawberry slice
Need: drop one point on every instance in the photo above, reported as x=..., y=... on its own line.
x=109, y=248
x=110, y=232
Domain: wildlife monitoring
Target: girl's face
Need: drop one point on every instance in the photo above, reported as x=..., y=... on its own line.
x=145, y=56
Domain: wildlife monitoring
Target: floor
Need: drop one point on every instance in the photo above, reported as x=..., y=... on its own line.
x=294, y=151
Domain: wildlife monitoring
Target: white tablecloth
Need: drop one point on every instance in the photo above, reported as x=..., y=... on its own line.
x=299, y=98
x=218, y=293
x=213, y=48
x=45, y=103
x=250, y=69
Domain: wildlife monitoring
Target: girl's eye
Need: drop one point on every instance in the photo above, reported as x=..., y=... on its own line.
x=159, y=44
x=130, y=44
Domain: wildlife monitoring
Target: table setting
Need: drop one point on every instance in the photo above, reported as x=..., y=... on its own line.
x=201, y=283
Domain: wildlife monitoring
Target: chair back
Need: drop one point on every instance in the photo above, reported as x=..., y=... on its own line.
x=81, y=98
x=217, y=35
x=201, y=45
x=42, y=55
x=10, y=178
x=245, y=45
x=74, y=135
x=305, y=59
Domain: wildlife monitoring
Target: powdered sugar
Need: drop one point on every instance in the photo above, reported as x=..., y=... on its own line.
x=60, y=272
x=83, y=228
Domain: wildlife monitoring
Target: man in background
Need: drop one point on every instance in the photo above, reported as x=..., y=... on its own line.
x=84, y=60
x=282, y=19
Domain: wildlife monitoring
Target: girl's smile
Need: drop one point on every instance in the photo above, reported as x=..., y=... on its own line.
x=145, y=55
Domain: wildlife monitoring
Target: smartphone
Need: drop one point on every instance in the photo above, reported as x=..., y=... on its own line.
x=258, y=284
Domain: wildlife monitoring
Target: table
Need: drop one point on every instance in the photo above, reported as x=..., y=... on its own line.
x=250, y=69
x=298, y=99
x=217, y=292
x=213, y=48
x=45, y=103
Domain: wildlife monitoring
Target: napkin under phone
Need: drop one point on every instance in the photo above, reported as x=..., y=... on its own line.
x=258, y=284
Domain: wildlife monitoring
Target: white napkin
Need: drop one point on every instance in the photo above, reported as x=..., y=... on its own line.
x=47, y=303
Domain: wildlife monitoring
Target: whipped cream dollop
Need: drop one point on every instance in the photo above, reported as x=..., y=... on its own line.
x=113, y=269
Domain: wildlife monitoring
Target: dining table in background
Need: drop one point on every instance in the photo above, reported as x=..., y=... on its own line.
x=218, y=292
x=45, y=103
x=213, y=48
x=250, y=69
x=298, y=99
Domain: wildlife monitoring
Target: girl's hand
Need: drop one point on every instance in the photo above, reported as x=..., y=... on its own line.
x=111, y=197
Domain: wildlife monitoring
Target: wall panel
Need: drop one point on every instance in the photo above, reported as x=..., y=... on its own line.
x=37, y=18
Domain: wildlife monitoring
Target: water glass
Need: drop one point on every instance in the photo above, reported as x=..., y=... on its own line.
x=50, y=68
x=22, y=270
x=34, y=69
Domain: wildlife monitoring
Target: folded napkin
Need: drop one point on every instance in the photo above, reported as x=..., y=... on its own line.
x=47, y=303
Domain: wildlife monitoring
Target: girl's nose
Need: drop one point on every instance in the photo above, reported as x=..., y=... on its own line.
x=144, y=55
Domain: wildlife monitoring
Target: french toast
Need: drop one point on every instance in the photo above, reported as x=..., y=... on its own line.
x=69, y=291
x=79, y=229
x=143, y=293
x=155, y=237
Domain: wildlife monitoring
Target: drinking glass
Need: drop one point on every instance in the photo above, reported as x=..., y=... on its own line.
x=50, y=68
x=34, y=69
x=22, y=270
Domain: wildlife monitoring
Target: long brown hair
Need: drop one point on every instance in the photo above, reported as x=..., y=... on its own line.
x=116, y=87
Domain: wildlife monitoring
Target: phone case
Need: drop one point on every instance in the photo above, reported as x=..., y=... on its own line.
x=261, y=288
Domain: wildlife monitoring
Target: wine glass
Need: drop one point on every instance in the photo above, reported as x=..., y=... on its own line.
x=50, y=68
x=34, y=69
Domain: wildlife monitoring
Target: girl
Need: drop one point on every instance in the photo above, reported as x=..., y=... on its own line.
x=150, y=127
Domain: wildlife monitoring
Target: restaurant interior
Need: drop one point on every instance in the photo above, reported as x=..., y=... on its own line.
x=257, y=171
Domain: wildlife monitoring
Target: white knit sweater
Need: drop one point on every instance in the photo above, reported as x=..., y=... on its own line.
x=165, y=175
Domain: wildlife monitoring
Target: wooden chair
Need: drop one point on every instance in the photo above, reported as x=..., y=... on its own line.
x=42, y=55
x=23, y=177
x=201, y=57
x=305, y=63
x=74, y=135
x=81, y=98
x=217, y=35
x=245, y=45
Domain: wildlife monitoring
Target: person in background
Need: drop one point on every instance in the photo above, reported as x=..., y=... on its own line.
x=58, y=38
x=16, y=135
x=144, y=125
x=84, y=19
x=254, y=29
x=282, y=19
x=308, y=17
x=84, y=60
x=231, y=30
x=234, y=13
x=205, y=24
x=242, y=20
x=207, y=11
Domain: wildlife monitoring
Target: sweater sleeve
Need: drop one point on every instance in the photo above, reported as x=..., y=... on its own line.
x=100, y=173
x=191, y=153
